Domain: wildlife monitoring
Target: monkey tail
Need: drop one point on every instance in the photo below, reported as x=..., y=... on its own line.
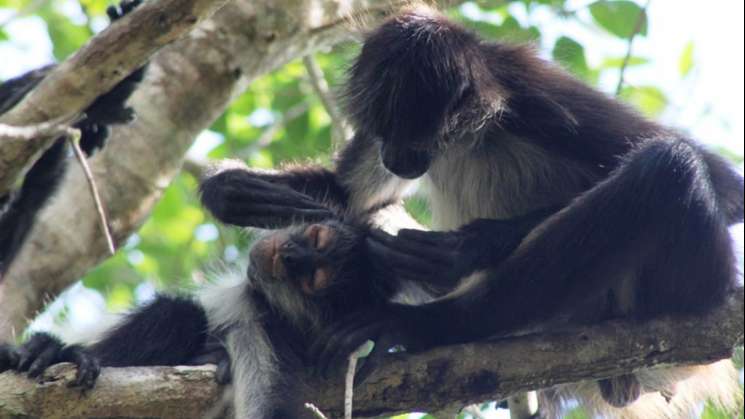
x=668, y=393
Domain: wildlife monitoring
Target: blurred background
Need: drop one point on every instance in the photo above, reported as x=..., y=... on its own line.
x=680, y=62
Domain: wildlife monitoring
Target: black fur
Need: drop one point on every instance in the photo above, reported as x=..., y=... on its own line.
x=179, y=331
x=654, y=205
x=43, y=350
x=501, y=133
x=43, y=178
x=243, y=198
x=167, y=331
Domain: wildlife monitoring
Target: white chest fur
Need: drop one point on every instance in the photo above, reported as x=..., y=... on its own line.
x=499, y=178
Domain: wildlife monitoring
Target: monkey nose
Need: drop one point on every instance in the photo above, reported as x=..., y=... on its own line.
x=407, y=164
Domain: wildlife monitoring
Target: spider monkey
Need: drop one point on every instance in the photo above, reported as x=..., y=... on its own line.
x=257, y=327
x=496, y=133
x=18, y=209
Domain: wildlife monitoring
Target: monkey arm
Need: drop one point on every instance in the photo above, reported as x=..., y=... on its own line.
x=360, y=185
x=444, y=258
x=636, y=221
x=168, y=331
x=249, y=198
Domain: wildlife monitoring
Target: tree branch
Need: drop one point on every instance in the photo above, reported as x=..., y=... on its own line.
x=342, y=129
x=187, y=86
x=630, y=47
x=95, y=69
x=430, y=381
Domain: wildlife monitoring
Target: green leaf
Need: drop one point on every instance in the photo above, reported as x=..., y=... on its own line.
x=739, y=356
x=577, y=414
x=686, y=63
x=648, y=99
x=617, y=62
x=418, y=207
x=622, y=18
x=571, y=54
x=3, y=35
x=712, y=412
x=67, y=37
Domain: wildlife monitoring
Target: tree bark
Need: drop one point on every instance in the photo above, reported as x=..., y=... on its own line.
x=95, y=69
x=432, y=381
x=188, y=85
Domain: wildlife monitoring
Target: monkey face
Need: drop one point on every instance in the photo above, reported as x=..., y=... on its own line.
x=308, y=257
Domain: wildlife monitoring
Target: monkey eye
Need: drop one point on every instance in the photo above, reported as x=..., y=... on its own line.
x=318, y=235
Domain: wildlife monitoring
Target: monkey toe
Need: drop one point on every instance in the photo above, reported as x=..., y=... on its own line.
x=9, y=358
x=89, y=367
x=620, y=391
x=223, y=375
x=39, y=352
x=42, y=361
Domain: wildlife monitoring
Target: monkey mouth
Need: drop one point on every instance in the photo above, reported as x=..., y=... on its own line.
x=265, y=257
x=275, y=259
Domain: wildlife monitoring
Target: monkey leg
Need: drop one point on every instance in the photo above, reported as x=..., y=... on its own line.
x=654, y=219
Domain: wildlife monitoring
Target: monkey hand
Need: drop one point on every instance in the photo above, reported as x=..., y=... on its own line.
x=428, y=257
x=240, y=198
x=389, y=327
x=43, y=350
x=215, y=352
x=444, y=258
x=110, y=108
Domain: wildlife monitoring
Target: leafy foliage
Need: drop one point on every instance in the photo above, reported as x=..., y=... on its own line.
x=620, y=17
x=279, y=119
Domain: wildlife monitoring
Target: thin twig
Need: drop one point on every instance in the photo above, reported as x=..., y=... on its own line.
x=627, y=59
x=361, y=352
x=342, y=130
x=267, y=137
x=316, y=411
x=43, y=130
x=74, y=141
x=55, y=129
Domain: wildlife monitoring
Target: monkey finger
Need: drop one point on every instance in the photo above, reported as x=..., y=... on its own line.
x=430, y=237
x=223, y=375
x=88, y=372
x=396, y=259
x=372, y=361
x=409, y=258
x=346, y=343
x=437, y=253
x=246, y=213
x=340, y=340
x=46, y=358
x=245, y=205
x=89, y=367
x=8, y=358
x=273, y=195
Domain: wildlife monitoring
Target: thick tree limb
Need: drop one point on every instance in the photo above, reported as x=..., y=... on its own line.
x=95, y=69
x=160, y=392
x=188, y=84
x=432, y=381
